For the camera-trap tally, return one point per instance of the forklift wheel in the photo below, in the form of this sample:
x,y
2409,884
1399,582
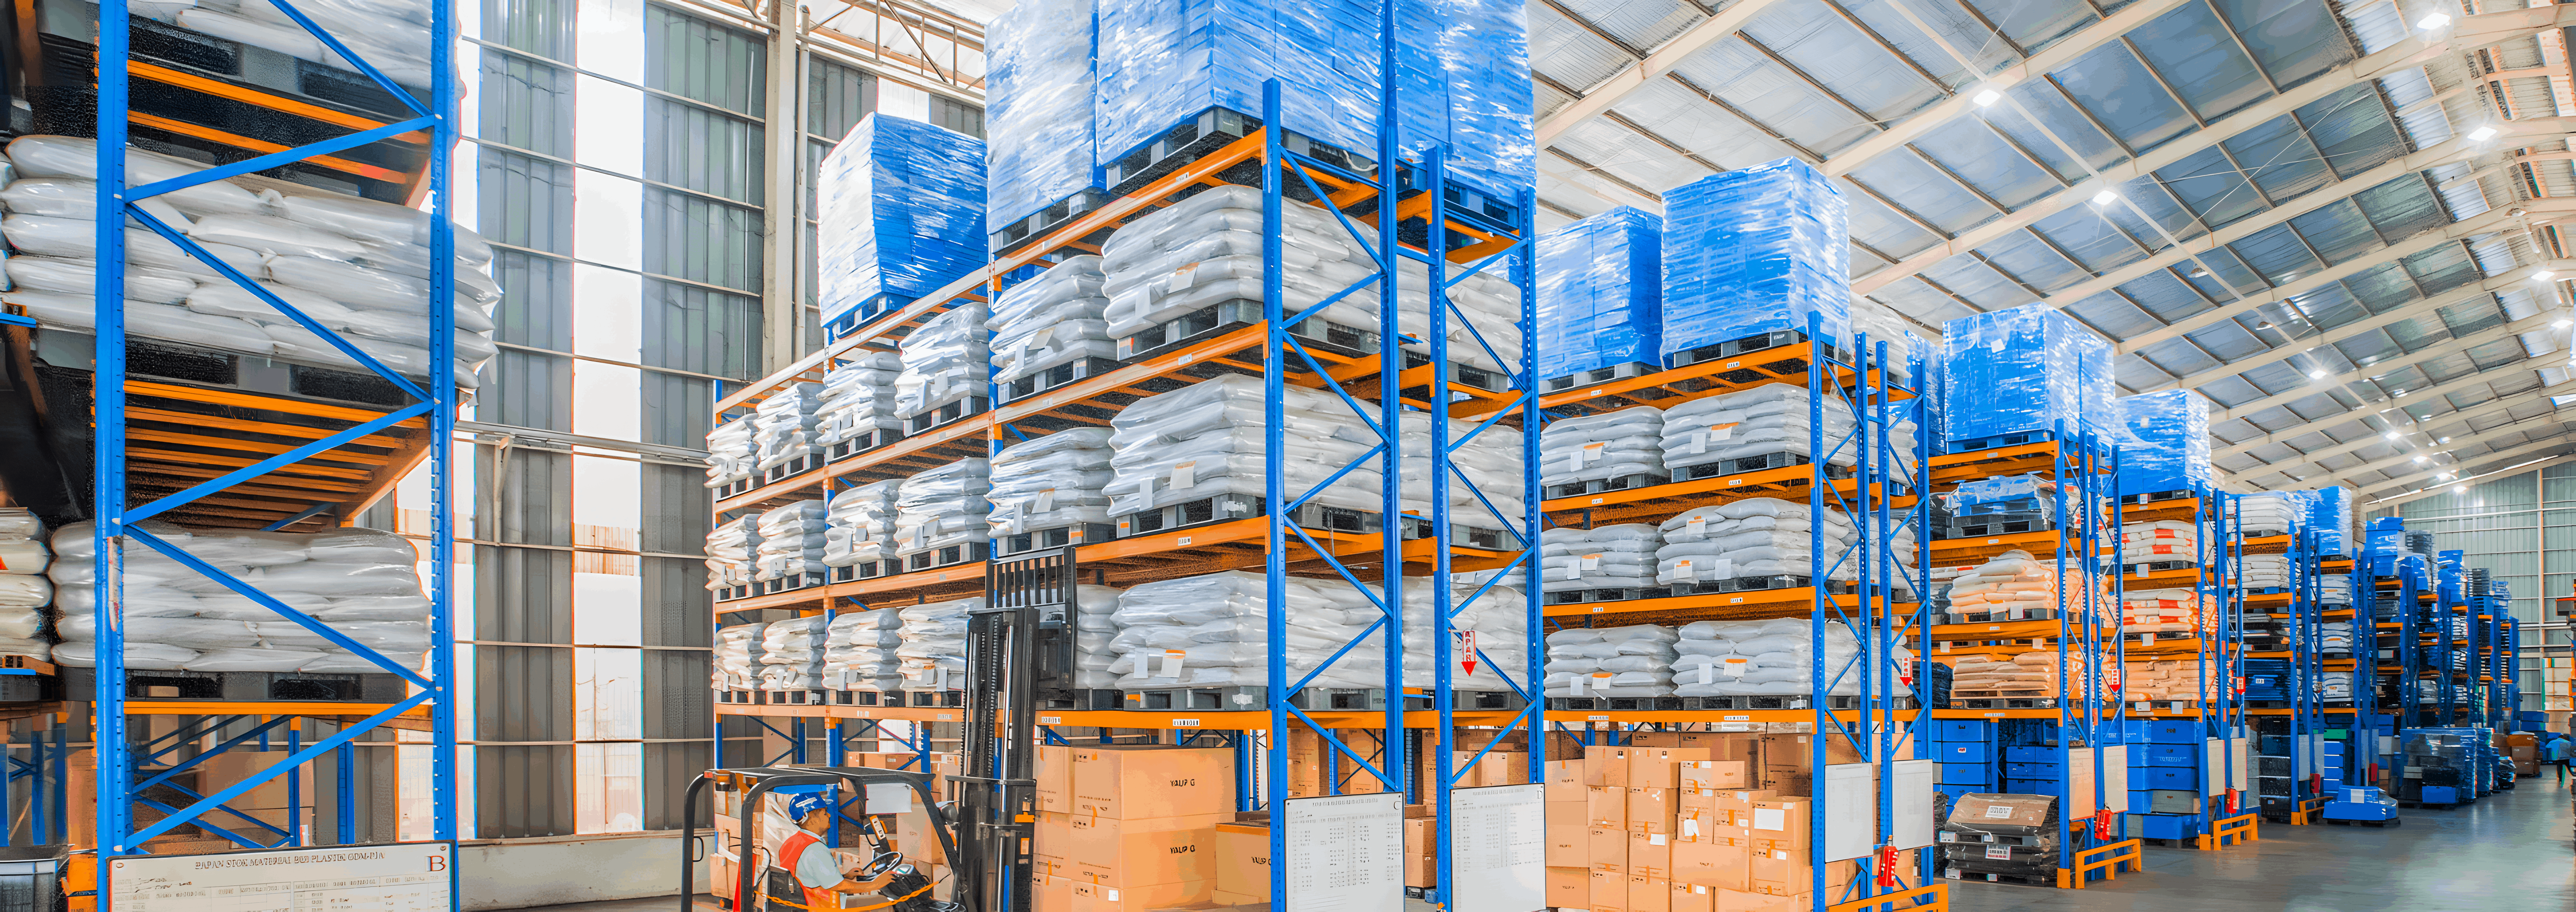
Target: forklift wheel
x,y
2394,821
2339,822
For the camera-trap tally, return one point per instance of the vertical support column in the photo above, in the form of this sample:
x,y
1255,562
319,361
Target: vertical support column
x,y
1443,660
782,213
115,764
1274,494
442,430
1390,402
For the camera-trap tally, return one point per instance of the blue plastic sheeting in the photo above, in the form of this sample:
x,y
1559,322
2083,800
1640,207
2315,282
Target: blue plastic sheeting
x,y
902,206
2025,369
1601,293
1755,251
1037,116
1463,70
2330,517
2165,446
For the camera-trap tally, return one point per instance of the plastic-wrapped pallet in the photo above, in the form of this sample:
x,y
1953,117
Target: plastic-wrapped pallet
x,y
2267,513
24,589
2330,517
2335,589
791,652
1881,323
355,266
1206,251
944,361
1616,444
1038,121
902,213
1205,440
1213,630
1753,251
1609,557
1601,293
731,457
1491,461
943,507
361,583
859,651
1051,482
2334,685
1052,320
736,665
732,548
393,37
1631,661
934,644
1495,627
2160,541
1770,419
1096,608
2026,369
859,524
858,398
2164,442
1776,657
783,425
2013,586
791,541
2263,571
2334,636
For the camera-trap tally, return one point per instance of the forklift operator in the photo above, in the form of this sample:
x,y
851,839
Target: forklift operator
x,y
816,871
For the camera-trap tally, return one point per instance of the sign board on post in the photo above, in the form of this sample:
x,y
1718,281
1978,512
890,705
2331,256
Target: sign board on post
x,y
391,877
1345,853
1498,861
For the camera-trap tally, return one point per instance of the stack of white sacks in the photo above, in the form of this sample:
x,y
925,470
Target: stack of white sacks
x,y
933,653
2012,587
361,583
1204,440
1051,320
1213,630
1635,661
1051,482
1489,637
2028,675
733,547
1490,461
355,266
782,426
737,660
1617,444
1096,623
791,541
24,590
1610,557
942,507
2166,612
2334,685
858,526
943,362
2263,571
1750,658
859,651
1762,536
2335,589
1484,330
791,654
2270,511
2162,541
2334,636
1206,250
391,35
1881,324
731,457
1767,419
858,398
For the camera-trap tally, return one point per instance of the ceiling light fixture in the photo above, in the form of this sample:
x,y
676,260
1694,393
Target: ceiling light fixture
x,y
2482,134
2200,273
2542,276
2459,489
2392,435
2445,440
2104,198
1987,98
2563,324
2263,324
2318,374
2419,460
2432,21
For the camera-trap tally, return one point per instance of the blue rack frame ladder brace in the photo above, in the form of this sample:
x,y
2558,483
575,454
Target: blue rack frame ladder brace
x,y
435,399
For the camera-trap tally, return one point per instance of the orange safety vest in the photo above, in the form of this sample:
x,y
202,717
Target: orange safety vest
x,y
816,900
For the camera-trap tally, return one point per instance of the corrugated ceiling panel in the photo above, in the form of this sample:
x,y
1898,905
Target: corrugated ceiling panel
x,y
2145,194
2276,254
1922,189
1924,302
1874,224
2036,24
2205,270
2112,314
1954,25
2179,356
1844,59
2084,235
2227,391
2367,349
2164,295
1967,278
2115,87
2353,129
2033,262
2190,49
2280,159
2442,268
2378,288
2276,376
2324,308
1983,159
1753,84
2211,187
1641,23
1688,119
2229,340
2472,315
2294,40
2375,25
1620,151
1569,54
2337,231
2062,120
2402,208
2406,89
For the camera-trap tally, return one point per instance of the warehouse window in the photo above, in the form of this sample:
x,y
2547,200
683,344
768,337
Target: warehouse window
x,y
963,117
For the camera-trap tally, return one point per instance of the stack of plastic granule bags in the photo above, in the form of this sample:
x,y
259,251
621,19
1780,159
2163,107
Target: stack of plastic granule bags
x,y
1608,557
1600,293
791,542
1881,323
2263,571
1632,661
24,589
1616,444
1096,626
730,454
1489,634
859,651
2334,636
858,399
2159,542
1213,630
732,547
391,35
2023,676
2024,370
1050,321
1490,461
2165,612
1051,482
783,425
1037,110
361,583
1756,536
736,665
2150,680
901,206
1769,419
1484,328
943,508
791,654
2334,685
2335,589
1752,251
2013,586
944,363
355,266
2272,512
934,644
1776,657
1205,440
1206,251
859,524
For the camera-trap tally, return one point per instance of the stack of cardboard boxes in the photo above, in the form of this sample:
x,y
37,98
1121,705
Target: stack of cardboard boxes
x,y
1128,828
1686,822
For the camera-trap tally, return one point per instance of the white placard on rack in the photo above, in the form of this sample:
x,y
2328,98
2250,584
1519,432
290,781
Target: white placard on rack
x,y
1498,861
1345,853
397,877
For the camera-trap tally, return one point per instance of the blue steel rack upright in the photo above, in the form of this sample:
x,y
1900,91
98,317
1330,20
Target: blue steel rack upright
x,y
435,401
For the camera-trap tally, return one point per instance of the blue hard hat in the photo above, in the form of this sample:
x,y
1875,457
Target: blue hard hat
x,y
805,803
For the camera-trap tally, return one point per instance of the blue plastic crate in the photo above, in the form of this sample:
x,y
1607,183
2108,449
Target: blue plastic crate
x,y
2162,778
1967,774
1963,752
2030,753
2167,755
2168,826
2033,770
2033,786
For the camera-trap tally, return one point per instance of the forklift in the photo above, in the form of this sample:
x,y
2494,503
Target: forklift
x,y
1019,647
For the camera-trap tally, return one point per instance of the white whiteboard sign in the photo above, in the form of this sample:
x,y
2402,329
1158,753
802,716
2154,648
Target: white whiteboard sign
x,y
1498,848
1345,853
399,877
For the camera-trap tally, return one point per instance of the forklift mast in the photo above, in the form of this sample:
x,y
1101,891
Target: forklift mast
x,y
1020,643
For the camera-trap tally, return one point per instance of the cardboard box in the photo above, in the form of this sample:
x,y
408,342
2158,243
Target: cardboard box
x,y
1691,897
1712,863
1054,836
1243,860
1606,847
1093,897
1649,894
1748,901
1650,854
914,837
1420,835
1566,827
1051,894
1137,853
1564,780
1568,888
1421,871
1712,775
1650,809
2000,813
1606,806
1149,781
1775,877
1055,778
1606,767
1735,812
1782,823
1609,891
1661,766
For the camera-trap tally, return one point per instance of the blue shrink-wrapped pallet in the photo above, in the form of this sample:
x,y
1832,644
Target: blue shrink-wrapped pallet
x,y
902,213
1463,71
2026,369
1754,251
2330,517
1037,114
1600,293
2165,442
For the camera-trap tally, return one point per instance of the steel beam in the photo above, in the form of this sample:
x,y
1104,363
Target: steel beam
x,y
2470,414
2366,372
2543,446
2418,308
1660,61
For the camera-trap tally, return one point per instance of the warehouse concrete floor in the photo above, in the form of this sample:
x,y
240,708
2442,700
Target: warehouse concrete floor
x,y
2509,851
